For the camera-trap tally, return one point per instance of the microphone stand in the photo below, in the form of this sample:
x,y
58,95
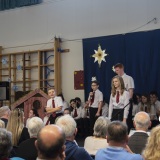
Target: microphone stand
x,y
130,102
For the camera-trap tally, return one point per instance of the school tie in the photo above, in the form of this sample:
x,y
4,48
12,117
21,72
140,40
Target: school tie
x,y
53,105
75,112
117,97
92,98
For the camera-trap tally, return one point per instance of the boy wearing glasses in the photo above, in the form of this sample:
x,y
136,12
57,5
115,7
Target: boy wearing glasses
x,y
95,104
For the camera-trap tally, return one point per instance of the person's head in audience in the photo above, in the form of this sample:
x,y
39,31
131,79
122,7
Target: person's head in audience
x,y
153,97
145,98
5,143
117,134
15,124
78,101
68,125
151,152
134,99
117,84
138,96
142,121
73,103
67,111
4,112
100,127
34,126
50,143
119,69
2,124
33,113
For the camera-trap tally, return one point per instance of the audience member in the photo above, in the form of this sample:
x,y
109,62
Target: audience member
x,y
6,145
54,105
117,138
95,102
77,115
65,103
67,111
119,99
138,96
151,152
155,108
27,149
145,104
85,120
79,102
50,143
73,151
136,108
4,114
32,113
16,127
138,140
98,140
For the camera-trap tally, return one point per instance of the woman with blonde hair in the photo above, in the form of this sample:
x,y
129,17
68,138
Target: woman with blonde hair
x,y
16,127
151,152
119,99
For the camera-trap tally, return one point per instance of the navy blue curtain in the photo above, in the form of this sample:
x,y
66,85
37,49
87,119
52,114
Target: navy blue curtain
x,y
139,52
10,4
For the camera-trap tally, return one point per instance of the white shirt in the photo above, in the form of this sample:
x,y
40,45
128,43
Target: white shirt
x,y
65,105
128,81
79,113
154,109
98,97
57,101
135,109
123,101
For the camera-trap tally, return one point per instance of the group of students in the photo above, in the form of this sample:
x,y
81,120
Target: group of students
x,y
120,105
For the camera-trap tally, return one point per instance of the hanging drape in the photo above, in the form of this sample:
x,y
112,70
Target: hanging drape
x,y
10,4
139,52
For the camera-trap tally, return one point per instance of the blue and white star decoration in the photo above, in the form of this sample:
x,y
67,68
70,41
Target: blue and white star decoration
x,y
15,88
19,67
99,55
4,61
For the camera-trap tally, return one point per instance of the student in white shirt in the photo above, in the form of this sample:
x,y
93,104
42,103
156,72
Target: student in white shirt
x,y
54,105
95,99
119,99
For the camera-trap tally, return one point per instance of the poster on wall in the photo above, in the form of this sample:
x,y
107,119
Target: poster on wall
x,y
79,80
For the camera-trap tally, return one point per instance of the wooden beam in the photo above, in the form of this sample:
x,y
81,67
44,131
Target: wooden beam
x,y
0,63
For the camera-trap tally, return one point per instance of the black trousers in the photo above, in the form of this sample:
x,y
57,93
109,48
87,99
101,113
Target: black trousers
x,y
93,118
